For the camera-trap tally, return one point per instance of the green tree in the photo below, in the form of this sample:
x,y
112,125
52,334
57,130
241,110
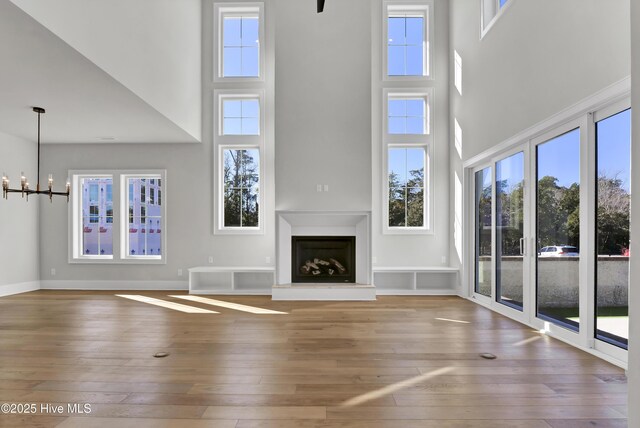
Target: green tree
x,y
241,180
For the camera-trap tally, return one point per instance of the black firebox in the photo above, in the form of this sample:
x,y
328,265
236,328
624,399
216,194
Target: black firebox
x,y
323,259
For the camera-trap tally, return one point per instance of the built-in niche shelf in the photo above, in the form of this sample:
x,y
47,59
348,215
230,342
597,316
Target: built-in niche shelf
x,y
416,280
231,280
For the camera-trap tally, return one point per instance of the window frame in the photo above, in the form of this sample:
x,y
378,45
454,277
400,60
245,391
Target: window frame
x,y
120,224
490,12
421,7
396,141
220,10
219,227
124,216
241,94
75,216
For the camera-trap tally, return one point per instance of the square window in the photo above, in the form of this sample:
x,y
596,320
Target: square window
x,y
406,185
240,45
240,116
407,115
240,188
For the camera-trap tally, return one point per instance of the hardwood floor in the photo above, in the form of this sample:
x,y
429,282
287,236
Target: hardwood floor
x,y
397,362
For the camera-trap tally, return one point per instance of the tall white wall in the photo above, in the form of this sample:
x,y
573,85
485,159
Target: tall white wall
x,y
323,103
153,47
634,292
539,58
19,247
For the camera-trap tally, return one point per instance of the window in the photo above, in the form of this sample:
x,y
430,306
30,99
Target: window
x,y
406,143
239,34
241,188
95,215
407,116
406,187
408,38
143,239
96,211
490,11
240,116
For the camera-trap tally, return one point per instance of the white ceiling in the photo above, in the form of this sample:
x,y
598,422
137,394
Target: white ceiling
x,y
84,104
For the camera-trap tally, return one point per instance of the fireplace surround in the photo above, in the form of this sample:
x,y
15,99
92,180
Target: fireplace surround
x,y
323,224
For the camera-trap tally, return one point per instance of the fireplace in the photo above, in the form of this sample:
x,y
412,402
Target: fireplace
x,y
328,259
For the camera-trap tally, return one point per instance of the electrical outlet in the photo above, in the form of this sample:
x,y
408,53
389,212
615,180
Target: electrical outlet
x,y
179,272
374,260
444,260
326,187
53,271
267,259
318,187
210,259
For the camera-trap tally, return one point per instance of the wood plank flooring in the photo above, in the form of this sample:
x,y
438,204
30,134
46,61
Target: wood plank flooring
x,y
397,362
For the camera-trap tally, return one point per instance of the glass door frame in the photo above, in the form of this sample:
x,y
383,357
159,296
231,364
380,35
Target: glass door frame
x,y
492,301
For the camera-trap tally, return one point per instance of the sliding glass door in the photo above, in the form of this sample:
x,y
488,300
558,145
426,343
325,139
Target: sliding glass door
x,y
483,232
510,239
558,229
613,197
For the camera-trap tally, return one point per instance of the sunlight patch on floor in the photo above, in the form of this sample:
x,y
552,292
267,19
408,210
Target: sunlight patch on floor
x,y
395,387
458,321
165,304
526,341
229,305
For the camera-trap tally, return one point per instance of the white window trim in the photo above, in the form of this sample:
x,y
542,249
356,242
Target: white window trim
x,y
219,11
424,141
423,7
124,217
219,227
486,23
427,213
241,140
120,224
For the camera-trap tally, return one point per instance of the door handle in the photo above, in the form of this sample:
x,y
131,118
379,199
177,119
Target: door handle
x,y
522,247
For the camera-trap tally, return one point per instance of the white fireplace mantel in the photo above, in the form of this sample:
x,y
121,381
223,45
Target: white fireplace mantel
x,y
323,223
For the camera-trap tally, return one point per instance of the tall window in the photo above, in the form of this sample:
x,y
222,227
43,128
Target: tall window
x,y
136,212
407,141
240,116
144,236
239,40
408,37
97,216
241,188
406,187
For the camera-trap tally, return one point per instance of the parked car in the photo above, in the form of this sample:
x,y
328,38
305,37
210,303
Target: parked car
x,y
559,251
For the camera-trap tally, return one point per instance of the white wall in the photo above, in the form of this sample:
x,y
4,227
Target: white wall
x,y
323,99
153,47
415,250
19,248
539,58
634,292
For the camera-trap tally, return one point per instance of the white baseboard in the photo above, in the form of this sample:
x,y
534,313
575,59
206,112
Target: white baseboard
x,y
432,292
114,285
21,287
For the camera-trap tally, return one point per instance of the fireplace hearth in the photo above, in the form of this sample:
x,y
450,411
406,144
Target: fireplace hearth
x,y
323,259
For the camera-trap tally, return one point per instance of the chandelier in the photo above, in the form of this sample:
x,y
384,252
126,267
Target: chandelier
x,y
24,184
